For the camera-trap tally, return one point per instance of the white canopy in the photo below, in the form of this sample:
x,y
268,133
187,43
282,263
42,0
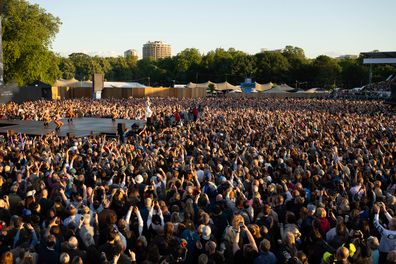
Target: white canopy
x,y
283,88
123,85
81,84
199,85
226,86
263,87
64,82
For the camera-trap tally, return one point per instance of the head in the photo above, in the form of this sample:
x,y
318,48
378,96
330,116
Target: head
x,y
391,258
210,247
7,258
265,245
73,242
51,241
321,213
392,224
311,209
203,259
342,254
372,242
64,258
289,239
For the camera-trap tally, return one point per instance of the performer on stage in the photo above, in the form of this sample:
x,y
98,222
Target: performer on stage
x,y
114,114
149,113
70,115
58,122
46,119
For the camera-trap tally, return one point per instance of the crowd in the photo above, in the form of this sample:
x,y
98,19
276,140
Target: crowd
x,y
221,181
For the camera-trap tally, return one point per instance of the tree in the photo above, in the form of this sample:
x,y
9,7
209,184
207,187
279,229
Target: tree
x,y
84,65
28,31
326,71
243,65
147,69
353,73
299,65
271,66
186,62
67,68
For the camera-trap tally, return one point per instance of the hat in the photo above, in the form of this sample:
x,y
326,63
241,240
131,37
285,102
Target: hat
x,y
222,179
26,212
206,232
30,193
311,208
139,179
72,171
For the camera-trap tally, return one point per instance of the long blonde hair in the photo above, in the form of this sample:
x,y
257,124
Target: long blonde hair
x,y
7,258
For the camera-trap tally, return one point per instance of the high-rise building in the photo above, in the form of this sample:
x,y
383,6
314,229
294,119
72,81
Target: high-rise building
x,y
131,52
156,50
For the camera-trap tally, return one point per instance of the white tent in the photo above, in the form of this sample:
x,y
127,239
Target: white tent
x,y
263,87
123,85
283,88
199,85
81,84
226,86
65,83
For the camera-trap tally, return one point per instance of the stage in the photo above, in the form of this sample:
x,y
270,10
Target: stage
x,y
80,127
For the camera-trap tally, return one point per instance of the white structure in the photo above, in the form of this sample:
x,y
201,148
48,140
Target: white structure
x,y
131,52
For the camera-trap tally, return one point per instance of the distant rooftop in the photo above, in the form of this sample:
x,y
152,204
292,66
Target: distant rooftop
x,y
157,42
379,54
380,57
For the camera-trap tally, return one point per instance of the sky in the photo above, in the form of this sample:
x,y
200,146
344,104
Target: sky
x,y
336,27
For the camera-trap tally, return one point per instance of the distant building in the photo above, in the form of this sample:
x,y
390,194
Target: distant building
x,y
131,52
156,50
347,57
267,50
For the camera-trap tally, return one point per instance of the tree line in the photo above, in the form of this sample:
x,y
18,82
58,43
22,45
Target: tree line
x,y
29,31
289,65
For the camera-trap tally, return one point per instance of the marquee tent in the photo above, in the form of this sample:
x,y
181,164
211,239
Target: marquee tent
x,y
226,86
123,85
199,85
263,87
283,88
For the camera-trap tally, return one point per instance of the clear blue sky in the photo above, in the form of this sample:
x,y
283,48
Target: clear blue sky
x,y
319,27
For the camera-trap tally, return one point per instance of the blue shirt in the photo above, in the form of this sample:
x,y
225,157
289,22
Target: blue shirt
x,y
266,257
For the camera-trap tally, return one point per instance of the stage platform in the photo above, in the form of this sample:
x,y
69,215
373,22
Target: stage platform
x,y
80,127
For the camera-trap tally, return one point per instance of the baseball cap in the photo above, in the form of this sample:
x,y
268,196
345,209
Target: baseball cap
x,y
311,208
30,193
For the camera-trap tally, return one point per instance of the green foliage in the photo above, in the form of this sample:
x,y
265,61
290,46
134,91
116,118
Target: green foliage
x,y
287,66
28,31
327,71
271,66
67,68
353,73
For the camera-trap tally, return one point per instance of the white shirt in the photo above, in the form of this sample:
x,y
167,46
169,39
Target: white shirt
x,y
388,237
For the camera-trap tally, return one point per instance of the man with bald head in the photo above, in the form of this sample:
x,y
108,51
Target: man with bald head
x,y
342,255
